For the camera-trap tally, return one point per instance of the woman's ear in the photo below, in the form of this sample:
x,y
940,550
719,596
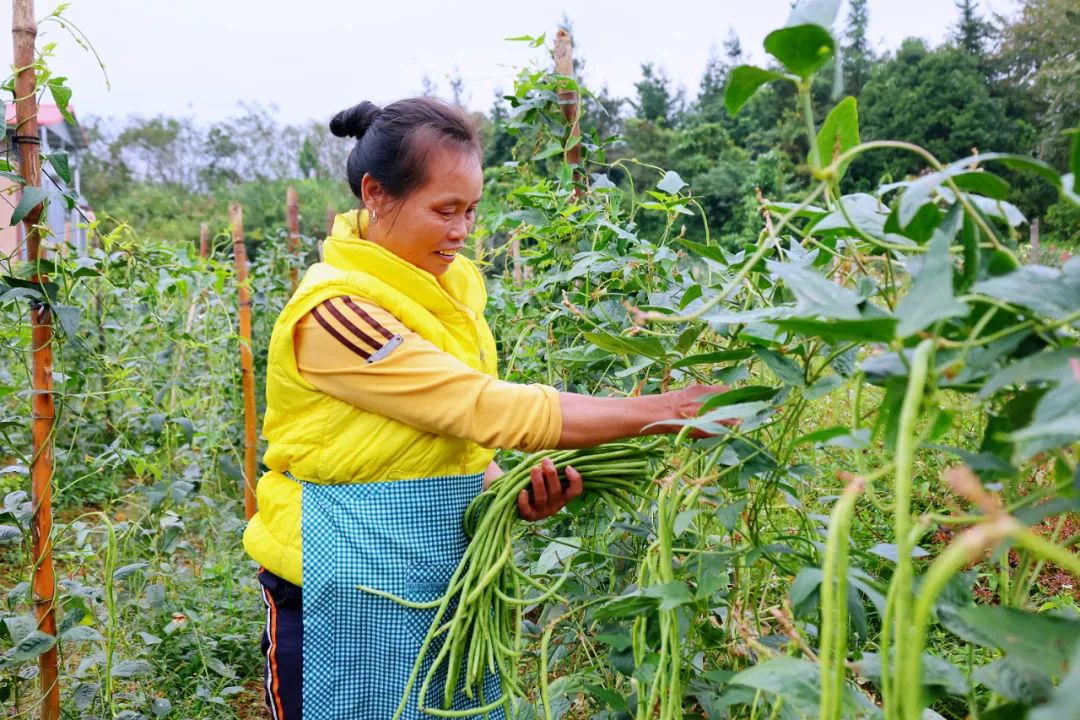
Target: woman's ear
x,y
372,194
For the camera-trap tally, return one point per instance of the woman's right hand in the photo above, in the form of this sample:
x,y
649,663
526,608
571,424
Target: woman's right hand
x,y
686,403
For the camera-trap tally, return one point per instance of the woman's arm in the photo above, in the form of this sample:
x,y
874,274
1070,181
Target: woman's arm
x,y
589,421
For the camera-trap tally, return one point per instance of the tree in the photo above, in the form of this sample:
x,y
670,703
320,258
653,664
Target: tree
x,y
710,99
972,33
656,101
499,145
858,56
1039,59
457,88
954,110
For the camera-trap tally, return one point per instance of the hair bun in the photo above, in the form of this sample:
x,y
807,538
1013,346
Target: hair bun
x,y
355,121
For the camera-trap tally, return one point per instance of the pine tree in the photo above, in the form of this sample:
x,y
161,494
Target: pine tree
x,y
656,101
858,57
972,33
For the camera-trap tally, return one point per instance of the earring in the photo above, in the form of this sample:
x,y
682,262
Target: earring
x,y
374,217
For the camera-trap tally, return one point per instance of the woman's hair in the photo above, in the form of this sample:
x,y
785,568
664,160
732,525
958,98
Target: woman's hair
x,y
392,143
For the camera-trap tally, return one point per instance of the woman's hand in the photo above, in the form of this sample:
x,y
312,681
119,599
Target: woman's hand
x,y
686,403
548,496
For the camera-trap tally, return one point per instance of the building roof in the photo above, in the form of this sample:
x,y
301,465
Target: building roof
x,y
49,115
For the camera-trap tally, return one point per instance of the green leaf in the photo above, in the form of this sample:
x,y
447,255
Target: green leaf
x,y
935,672
1058,292
983,183
60,163
84,695
32,645
626,345
13,177
61,95
671,183
880,329
31,198
628,605
785,368
713,358
839,436
931,297
671,595
797,681
751,393
1055,366
802,49
1052,426
1042,642
127,668
19,626
822,387
82,633
684,519
123,572
814,12
1065,702
550,150
816,295
1015,681
839,133
743,82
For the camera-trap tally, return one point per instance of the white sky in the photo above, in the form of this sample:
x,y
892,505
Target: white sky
x,y
314,57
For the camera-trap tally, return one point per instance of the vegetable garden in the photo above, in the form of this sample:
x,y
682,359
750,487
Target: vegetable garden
x,y
869,540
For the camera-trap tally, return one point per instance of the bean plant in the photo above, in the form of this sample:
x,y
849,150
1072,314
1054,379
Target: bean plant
x,y
869,540
906,388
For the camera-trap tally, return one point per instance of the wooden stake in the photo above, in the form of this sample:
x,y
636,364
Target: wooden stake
x,y
247,367
292,215
42,407
568,100
515,255
1035,248
331,213
204,240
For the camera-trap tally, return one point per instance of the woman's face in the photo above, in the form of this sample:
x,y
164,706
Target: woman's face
x,y
430,226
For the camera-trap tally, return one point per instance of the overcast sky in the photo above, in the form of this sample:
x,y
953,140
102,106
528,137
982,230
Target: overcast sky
x,y
311,58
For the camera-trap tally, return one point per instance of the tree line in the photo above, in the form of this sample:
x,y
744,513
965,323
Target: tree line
x,y
1009,84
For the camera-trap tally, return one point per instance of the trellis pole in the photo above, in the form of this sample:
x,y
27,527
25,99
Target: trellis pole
x,y
42,407
247,367
569,101
292,215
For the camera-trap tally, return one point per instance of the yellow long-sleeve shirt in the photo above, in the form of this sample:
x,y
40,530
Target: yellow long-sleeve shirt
x,y
356,351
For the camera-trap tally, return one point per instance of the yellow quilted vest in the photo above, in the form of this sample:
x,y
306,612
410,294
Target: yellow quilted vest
x,y
318,438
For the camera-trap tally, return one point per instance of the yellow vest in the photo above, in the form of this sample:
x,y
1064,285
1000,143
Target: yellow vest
x,y
320,439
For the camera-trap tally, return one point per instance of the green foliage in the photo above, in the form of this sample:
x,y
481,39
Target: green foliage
x,y
953,99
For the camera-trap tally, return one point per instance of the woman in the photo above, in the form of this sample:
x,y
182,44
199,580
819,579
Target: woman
x,y
383,407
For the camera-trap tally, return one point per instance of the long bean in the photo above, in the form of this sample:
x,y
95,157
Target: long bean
x,y
482,634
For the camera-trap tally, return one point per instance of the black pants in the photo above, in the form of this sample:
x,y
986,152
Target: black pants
x,y
283,646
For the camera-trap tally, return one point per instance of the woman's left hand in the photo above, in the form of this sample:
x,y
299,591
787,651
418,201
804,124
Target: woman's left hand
x,y
548,495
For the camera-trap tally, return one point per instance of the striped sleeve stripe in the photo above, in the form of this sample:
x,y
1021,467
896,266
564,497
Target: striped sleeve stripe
x,y
348,324
367,318
337,335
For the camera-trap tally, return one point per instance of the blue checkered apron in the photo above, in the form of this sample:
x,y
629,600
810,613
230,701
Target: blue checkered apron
x,y
403,537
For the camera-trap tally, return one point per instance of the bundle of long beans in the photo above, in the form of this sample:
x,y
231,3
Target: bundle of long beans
x,y
479,617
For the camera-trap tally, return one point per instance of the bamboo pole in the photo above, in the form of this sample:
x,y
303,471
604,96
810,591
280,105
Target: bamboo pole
x,y
568,101
292,216
236,220
331,213
1035,247
43,411
204,240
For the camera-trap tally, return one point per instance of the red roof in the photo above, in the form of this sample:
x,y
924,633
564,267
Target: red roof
x,y
48,114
